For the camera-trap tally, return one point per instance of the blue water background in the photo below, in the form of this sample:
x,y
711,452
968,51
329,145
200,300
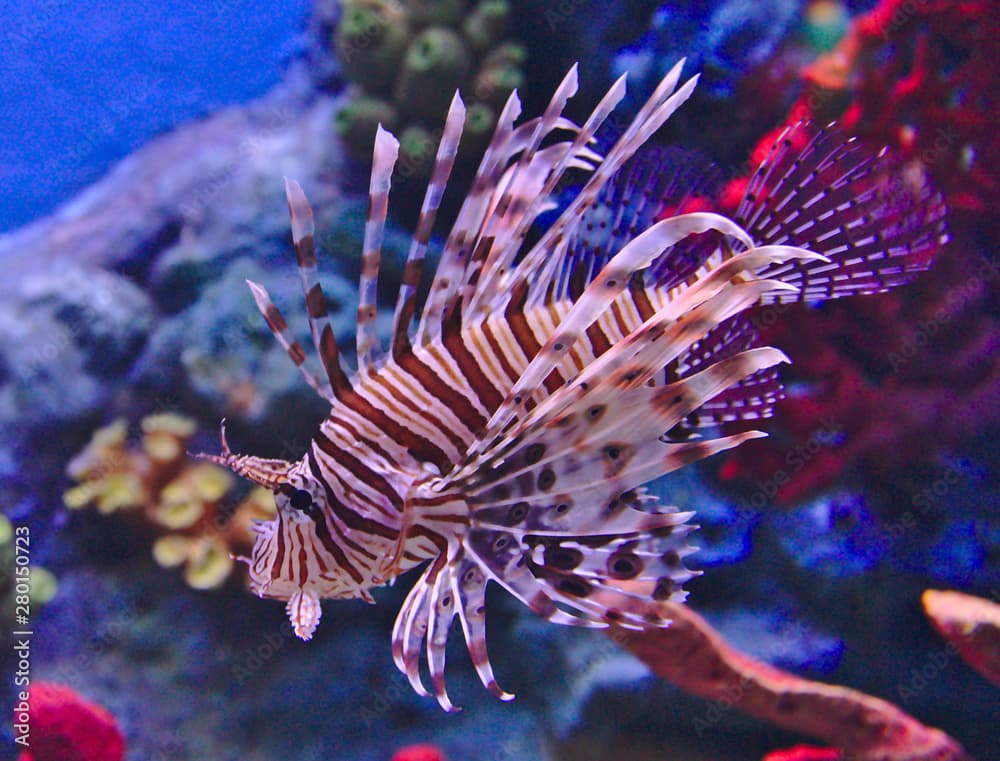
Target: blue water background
x,y
84,84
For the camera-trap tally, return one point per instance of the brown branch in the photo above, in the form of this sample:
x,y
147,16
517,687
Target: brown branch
x,y
971,624
692,655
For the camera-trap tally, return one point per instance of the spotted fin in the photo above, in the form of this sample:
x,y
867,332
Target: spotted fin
x,y
450,587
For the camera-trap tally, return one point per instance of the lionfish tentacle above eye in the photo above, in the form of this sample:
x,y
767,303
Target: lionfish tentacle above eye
x,y
507,440
263,472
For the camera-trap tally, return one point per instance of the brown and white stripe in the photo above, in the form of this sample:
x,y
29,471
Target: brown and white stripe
x,y
508,441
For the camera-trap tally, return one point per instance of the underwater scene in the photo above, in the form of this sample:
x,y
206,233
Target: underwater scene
x,y
664,357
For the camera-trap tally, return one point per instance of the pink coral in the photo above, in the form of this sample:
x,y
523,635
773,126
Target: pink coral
x,y
692,655
65,727
971,625
422,752
804,753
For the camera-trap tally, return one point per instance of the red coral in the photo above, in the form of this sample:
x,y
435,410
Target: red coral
x,y
804,753
425,752
65,727
909,374
919,77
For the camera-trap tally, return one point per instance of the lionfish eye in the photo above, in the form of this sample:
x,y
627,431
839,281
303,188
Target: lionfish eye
x,y
300,499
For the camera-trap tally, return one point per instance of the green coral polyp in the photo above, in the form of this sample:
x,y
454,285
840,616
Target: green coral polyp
x,y
406,58
371,41
486,25
493,85
510,54
440,12
356,122
436,57
479,122
417,148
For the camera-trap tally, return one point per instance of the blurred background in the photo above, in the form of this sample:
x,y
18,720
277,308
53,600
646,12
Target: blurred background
x,y
142,150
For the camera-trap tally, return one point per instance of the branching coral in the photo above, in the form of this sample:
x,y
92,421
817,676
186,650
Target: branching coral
x,y
921,77
692,655
915,373
182,499
406,58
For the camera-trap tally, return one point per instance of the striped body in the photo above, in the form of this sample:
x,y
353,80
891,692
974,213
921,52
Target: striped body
x,y
506,435
439,398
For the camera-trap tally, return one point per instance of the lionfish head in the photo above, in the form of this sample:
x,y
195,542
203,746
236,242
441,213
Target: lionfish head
x,y
284,563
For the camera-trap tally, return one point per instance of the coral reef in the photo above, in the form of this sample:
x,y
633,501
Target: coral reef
x,y
182,500
692,655
834,535
921,78
970,624
725,40
406,58
65,727
67,335
912,375
218,352
87,289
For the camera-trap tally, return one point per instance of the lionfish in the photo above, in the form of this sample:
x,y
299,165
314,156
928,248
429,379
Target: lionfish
x,y
507,433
